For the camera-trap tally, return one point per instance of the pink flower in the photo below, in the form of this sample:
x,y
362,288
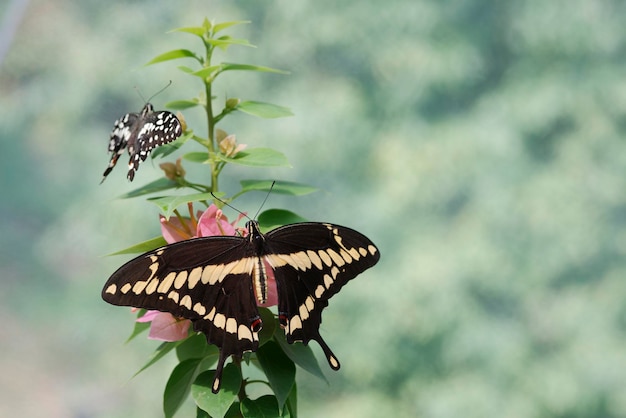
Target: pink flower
x,y
211,222
165,327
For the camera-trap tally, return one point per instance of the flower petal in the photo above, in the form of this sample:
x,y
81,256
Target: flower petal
x,y
166,327
173,230
213,222
148,316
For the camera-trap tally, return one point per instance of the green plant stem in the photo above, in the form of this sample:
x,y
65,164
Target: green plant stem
x,y
210,119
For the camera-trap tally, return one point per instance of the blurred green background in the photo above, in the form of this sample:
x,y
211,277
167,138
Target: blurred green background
x,y
479,143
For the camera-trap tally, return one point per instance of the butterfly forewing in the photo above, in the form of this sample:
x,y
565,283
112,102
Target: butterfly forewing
x,y
140,133
205,280
211,281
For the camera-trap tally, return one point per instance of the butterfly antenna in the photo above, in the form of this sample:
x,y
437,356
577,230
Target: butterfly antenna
x,y
155,94
265,200
240,212
229,205
139,93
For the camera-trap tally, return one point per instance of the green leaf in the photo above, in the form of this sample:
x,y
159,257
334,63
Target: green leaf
x,y
158,354
139,327
153,187
279,369
263,110
269,325
167,204
194,30
178,385
264,407
280,187
185,69
197,156
301,355
234,411
142,247
217,404
231,66
223,25
258,157
273,218
206,72
182,104
224,42
202,414
172,55
291,409
196,346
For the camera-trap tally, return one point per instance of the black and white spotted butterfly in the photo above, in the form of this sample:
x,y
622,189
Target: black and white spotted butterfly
x,y
217,281
140,133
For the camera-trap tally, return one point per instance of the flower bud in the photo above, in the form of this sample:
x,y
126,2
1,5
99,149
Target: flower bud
x,y
229,147
173,171
232,103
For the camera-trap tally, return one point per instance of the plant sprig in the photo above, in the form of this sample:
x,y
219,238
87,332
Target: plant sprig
x,y
219,149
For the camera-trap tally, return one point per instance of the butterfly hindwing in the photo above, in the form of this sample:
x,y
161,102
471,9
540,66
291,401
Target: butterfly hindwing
x,y
312,261
140,133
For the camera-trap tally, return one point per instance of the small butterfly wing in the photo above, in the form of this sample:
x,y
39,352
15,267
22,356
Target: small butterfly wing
x,y
206,280
312,262
118,140
155,129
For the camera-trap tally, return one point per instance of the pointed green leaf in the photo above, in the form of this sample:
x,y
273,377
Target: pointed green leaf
x,y
258,157
167,204
202,414
158,354
217,404
185,69
182,104
139,327
206,72
178,385
172,55
152,187
263,110
279,369
194,30
269,325
264,407
142,247
230,66
225,41
291,407
273,218
196,346
223,25
301,355
280,187
197,157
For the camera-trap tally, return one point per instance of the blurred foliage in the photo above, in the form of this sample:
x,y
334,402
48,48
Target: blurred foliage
x,y
479,144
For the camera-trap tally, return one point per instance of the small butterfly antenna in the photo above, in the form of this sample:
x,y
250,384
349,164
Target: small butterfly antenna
x,y
155,94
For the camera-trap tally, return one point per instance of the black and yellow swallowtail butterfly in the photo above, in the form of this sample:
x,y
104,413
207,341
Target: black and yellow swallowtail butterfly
x,y
217,281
